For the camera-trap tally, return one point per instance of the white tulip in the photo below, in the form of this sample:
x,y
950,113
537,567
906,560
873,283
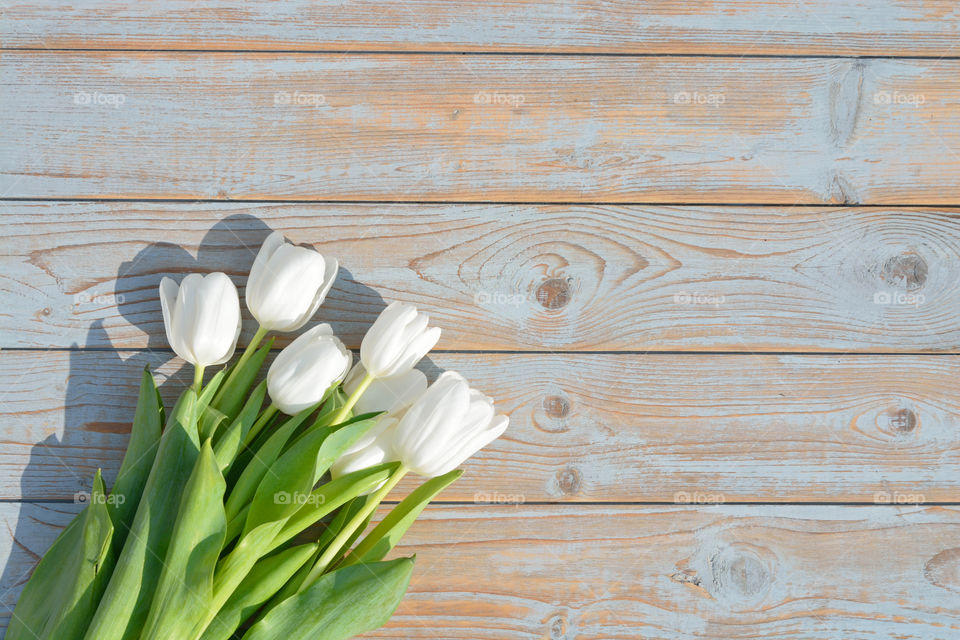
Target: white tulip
x,y
287,284
306,369
201,316
445,426
397,340
375,447
392,394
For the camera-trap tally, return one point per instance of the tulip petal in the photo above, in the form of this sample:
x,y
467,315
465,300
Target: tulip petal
x,y
168,304
256,280
215,310
418,348
393,393
470,444
291,279
331,267
425,429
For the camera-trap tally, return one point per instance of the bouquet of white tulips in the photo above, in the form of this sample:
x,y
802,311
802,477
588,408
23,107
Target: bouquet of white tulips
x,y
234,516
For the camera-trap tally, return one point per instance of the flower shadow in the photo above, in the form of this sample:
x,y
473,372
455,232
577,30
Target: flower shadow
x,y
101,387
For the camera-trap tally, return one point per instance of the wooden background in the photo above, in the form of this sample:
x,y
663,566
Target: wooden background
x,y
706,255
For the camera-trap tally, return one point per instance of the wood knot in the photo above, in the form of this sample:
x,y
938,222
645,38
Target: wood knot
x,y
556,406
943,570
907,270
554,293
742,574
46,311
902,420
568,481
557,627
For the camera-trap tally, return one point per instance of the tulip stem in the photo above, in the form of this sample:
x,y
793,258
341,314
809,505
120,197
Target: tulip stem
x,y
352,400
335,546
254,343
197,378
264,419
251,348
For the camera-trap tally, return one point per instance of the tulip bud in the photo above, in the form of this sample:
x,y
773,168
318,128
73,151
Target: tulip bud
x,y
306,369
445,426
201,317
392,394
397,340
287,284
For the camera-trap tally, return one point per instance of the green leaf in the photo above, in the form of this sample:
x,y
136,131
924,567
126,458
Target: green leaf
x,y
361,502
339,605
126,602
260,463
265,578
185,590
335,398
210,419
388,531
62,594
299,469
324,499
227,444
330,531
141,451
230,397
343,437
205,399
232,569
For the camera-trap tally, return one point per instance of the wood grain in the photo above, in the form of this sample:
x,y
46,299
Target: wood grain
x,y
845,27
510,277
625,572
601,427
479,128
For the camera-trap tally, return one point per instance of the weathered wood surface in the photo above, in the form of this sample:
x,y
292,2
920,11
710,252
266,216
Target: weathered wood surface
x,y
510,277
629,572
611,427
752,27
341,103
190,125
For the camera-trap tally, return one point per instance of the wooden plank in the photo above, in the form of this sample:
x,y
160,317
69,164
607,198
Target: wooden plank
x,y
479,128
601,427
845,27
510,277
651,572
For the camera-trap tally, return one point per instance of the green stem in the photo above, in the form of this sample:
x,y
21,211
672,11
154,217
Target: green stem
x,y
335,546
264,419
352,400
249,351
197,378
252,347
